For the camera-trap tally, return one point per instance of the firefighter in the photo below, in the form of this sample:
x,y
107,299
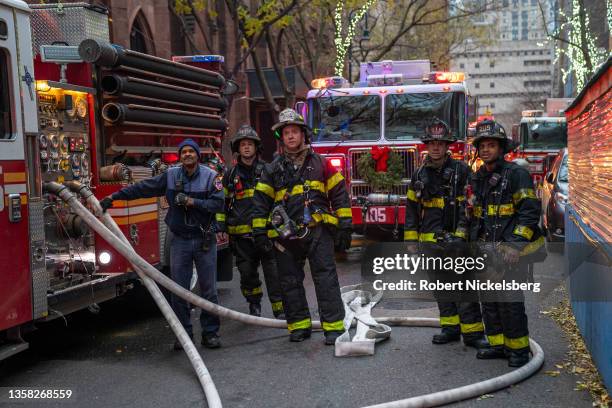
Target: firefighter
x,y
435,212
307,203
239,184
195,194
506,217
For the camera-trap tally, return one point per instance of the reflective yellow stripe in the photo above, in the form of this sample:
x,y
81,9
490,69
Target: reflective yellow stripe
x,y
460,198
239,229
297,190
460,233
259,222
225,191
254,291
449,320
334,180
280,194
427,237
504,210
344,212
496,339
247,193
326,218
302,324
517,343
523,231
411,195
277,306
335,326
533,246
411,235
315,185
272,233
266,189
436,202
220,217
523,193
472,327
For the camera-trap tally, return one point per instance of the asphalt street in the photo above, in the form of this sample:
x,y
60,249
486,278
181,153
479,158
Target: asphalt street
x,y
123,357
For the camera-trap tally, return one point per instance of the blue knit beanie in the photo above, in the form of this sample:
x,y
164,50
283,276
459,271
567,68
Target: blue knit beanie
x,y
190,143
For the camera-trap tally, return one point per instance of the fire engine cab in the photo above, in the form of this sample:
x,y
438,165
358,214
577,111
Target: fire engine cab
x,y
541,136
74,108
390,107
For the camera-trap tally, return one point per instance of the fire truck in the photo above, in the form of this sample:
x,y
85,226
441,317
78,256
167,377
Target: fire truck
x,y
390,106
74,108
541,135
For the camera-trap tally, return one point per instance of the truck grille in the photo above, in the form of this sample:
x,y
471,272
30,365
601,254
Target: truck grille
x,y
409,161
359,188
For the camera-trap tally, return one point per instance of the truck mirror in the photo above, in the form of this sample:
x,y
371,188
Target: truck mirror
x,y
301,108
231,87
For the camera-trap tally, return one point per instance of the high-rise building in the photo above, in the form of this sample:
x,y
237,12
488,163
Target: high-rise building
x,y
515,72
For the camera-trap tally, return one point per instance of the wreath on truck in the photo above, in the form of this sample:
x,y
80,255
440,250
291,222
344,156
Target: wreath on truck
x,y
381,167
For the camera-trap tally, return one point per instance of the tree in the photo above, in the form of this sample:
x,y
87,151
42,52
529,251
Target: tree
x,y
575,41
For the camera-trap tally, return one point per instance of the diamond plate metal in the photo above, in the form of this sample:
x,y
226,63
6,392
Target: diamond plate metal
x,y
162,227
40,279
69,22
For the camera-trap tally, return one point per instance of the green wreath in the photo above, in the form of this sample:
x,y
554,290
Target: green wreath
x,y
381,181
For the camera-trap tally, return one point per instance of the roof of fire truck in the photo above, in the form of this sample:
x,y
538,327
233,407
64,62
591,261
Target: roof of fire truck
x,y
533,116
18,4
393,77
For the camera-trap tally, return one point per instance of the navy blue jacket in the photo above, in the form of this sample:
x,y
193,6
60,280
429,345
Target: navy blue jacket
x,y
204,186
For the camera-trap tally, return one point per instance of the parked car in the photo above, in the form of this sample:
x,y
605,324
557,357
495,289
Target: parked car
x,y
554,198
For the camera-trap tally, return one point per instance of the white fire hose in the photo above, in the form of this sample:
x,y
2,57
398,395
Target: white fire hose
x,y
371,329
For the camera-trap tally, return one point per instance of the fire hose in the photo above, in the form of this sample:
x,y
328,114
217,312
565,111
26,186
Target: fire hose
x,y
140,265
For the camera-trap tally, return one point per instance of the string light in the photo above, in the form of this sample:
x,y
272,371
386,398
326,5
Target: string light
x,y
343,43
574,53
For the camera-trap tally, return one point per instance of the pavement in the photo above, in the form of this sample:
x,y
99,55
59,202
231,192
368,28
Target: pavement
x,y
122,357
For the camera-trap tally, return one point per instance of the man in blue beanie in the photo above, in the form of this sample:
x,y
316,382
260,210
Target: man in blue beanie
x,y
194,193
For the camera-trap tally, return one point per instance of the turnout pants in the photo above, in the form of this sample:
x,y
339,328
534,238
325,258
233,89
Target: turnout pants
x,y
505,319
247,262
184,252
318,248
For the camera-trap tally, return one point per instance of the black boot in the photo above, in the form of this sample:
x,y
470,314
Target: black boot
x,y
255,309
299,335
478,341
518,358
211,340
331,336
280,315
446,336
489,353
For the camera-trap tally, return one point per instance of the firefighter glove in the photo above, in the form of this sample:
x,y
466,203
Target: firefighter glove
x,y
106,203
343,239
181,199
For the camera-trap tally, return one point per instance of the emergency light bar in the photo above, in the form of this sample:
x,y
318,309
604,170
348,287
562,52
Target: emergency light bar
x,y
60,54
199,58
329,82
532,113
444,77
385,79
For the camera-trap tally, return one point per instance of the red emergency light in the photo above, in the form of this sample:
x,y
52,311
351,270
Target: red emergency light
x,y
446,77
170,157
337,163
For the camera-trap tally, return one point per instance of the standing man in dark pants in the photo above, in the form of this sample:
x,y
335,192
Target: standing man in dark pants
x,y
195,194
307,203
435,212
239,184
506,217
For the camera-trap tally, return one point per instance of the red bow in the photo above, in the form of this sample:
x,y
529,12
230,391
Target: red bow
x,y
380,156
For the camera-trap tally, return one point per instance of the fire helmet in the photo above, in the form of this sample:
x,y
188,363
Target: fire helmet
x,y
437,130
244,132
489,129
289,117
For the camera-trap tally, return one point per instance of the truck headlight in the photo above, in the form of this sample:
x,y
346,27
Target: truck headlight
x,y
104,257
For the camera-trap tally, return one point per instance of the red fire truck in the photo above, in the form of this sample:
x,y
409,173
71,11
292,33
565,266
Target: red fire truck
x,y
390,106
541,136
75,108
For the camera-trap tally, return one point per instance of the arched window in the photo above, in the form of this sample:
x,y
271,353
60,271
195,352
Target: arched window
x,y
140,35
